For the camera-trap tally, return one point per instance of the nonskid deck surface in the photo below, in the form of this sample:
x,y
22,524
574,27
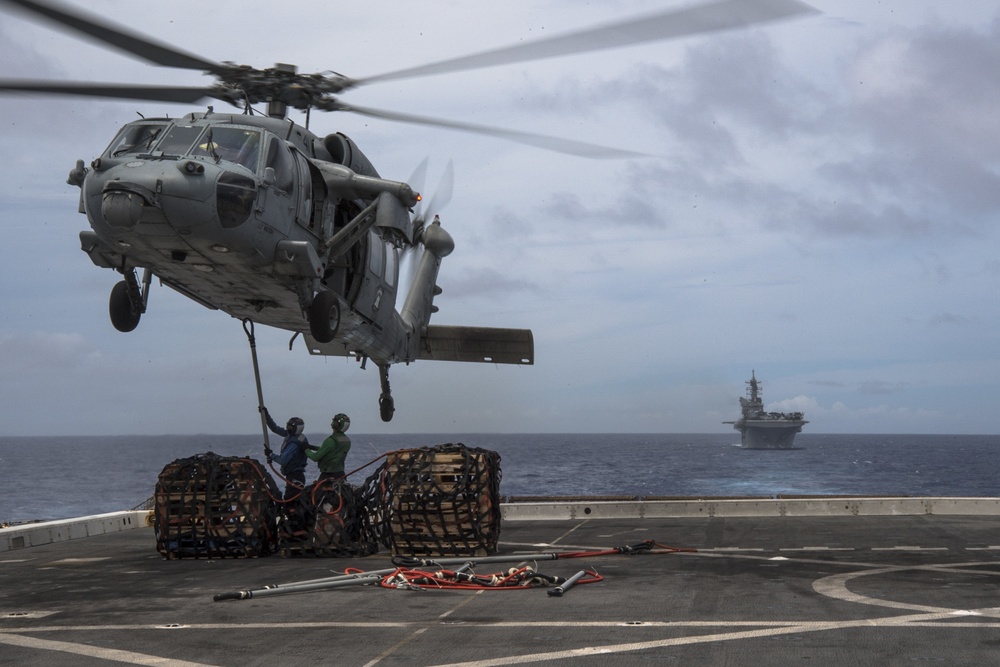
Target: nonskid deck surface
x,y
758,591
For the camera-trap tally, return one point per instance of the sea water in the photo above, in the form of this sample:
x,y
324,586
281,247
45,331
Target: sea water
x,y
63,477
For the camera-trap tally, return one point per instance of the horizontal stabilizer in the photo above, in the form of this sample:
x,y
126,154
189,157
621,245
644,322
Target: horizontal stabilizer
x,y
332,349
480,344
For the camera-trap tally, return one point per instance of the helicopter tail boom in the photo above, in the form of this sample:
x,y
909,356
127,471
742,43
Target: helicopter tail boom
x,y
455,343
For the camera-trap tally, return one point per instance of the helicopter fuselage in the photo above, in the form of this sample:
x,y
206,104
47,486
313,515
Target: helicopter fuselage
x,y
262,219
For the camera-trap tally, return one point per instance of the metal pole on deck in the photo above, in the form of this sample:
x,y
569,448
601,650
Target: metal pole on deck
x,y
248,330
311,585
557,591
418,561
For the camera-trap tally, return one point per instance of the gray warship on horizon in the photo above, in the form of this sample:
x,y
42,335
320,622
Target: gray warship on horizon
x,y
765,430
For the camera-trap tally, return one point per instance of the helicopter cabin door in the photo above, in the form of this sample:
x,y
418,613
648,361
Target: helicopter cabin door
x,y
377,296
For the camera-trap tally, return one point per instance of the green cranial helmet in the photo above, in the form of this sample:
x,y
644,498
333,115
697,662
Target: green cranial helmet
x,y
341,422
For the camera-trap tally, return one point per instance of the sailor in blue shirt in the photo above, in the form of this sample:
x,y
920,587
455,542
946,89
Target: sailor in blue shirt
x,y
292,457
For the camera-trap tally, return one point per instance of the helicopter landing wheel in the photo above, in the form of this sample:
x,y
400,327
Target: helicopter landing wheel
x,y
124,316
386,406
324,317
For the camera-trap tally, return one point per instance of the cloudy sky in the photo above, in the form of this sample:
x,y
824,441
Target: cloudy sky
x,y
820,205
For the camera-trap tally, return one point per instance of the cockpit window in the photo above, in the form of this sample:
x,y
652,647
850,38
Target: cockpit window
x,y
233,144
135,139
179,139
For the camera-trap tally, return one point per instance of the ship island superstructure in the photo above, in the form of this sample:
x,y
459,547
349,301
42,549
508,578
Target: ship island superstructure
x,y
765,430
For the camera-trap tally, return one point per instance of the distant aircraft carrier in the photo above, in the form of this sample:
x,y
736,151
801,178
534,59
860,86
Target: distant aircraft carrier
x,y
765,430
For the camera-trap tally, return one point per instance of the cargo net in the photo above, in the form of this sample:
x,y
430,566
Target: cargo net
x,y
328,518
210,506
431,501
440,501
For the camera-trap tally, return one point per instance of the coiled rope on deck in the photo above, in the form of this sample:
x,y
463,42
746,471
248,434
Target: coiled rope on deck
x,y
513,579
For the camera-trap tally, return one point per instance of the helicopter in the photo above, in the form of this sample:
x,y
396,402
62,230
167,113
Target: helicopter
x,y
261,218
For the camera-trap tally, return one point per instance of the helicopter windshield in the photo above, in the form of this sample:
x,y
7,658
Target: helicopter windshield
x,y
179,139
234,144
136,138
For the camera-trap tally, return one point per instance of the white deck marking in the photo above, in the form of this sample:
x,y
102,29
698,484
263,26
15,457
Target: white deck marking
x,y
395,647
794,628
835,586
94,651
78,561
26,614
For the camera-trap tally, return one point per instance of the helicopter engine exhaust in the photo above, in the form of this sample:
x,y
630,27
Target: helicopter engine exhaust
x,y
351,185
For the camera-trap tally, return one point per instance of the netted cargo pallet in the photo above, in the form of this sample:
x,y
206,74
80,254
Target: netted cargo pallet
x,y
210,506
437,501
327,519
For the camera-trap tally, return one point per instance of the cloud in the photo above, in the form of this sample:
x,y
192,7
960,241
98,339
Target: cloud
x,y
881,387
799,403
628,211
27,355
488,282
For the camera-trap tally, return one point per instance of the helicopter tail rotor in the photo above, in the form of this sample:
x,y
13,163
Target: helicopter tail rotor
x,y
427,207
438,201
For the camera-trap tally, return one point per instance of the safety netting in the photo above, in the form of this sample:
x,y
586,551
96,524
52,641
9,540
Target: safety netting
x,y
211,506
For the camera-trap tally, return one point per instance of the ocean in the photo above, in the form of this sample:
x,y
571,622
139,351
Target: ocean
x,y
61,477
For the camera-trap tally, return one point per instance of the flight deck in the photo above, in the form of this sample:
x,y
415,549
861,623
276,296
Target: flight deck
x,y
801,581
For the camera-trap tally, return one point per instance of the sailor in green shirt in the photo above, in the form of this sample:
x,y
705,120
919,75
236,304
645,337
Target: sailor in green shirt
x,y
330,456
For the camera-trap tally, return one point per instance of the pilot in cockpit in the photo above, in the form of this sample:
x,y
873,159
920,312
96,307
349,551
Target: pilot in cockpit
x,y
240,147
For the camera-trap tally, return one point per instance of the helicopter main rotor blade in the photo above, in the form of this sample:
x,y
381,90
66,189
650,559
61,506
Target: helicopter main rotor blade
x,y
145,48
671,24
556,144
180,94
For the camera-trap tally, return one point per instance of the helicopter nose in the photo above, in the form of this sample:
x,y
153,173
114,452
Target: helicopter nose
x,y
144,191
